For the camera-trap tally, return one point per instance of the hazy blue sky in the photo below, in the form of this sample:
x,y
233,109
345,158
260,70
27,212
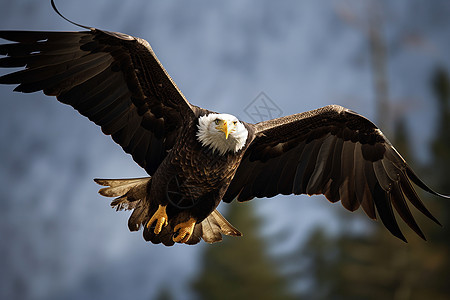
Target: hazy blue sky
x,y
60,239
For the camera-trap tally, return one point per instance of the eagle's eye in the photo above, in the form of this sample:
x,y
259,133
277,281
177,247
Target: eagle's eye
x,y
217,121
234,122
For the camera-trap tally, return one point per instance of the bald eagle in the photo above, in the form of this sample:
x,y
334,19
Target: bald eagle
x,y
195,157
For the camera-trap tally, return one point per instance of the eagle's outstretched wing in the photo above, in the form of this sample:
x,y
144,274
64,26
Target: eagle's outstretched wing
x,y
112,78
335,152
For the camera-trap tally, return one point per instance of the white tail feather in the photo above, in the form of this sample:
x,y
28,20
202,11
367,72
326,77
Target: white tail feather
x,y
128,191
212,228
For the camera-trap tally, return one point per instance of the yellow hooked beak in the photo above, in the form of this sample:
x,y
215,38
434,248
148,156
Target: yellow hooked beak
x,y
225,128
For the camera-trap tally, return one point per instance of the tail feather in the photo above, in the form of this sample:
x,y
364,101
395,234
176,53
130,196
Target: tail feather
x,y
119,187
139,216
224,225
129,193
212,228
122,203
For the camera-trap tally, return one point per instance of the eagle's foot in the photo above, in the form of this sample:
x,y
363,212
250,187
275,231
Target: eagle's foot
x,y
160,216
183,231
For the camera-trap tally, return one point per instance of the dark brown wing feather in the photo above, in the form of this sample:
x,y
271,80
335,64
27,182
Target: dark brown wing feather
x,y
335,152
113,79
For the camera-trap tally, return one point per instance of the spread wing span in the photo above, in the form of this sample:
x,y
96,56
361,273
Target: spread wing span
x,y
112,78
335,152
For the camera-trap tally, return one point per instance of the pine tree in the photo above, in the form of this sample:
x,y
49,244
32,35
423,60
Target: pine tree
x,y
441,144
164,294
239,268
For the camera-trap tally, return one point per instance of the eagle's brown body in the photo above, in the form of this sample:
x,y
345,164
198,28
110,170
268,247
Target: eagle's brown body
x,y
190,181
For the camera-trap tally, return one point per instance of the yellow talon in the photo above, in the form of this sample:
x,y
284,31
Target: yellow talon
x,y
160,216
185,230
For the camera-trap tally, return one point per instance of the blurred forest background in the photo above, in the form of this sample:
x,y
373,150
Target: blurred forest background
x,y
388,60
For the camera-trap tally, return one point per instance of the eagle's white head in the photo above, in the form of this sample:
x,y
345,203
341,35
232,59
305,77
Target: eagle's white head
x,y
221,133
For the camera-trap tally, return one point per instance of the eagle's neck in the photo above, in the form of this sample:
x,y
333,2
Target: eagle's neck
x,y
208,136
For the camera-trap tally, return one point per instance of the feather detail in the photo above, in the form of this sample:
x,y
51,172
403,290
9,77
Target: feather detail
x,y
130,194
212,228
